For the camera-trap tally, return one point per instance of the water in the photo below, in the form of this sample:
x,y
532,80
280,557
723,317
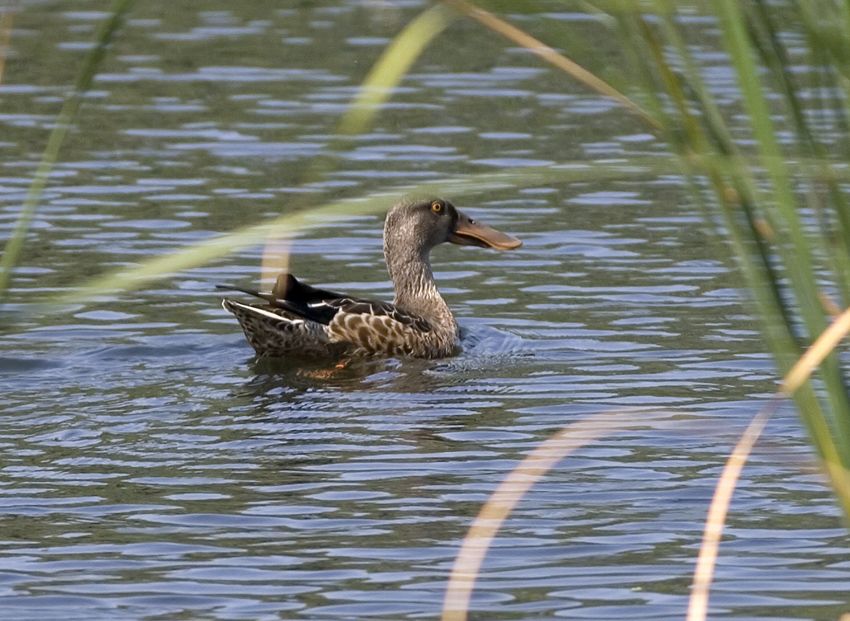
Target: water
x,y
151,469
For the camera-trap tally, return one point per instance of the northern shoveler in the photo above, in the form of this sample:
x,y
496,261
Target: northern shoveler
x,y
299,320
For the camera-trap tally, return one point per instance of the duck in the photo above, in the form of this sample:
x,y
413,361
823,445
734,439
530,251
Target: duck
x,y
295,319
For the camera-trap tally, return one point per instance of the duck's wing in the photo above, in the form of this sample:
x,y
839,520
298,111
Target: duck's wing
x,y
289,288
322,306
277,332
369,311
294,307
371,326
279,326
377,327
293,296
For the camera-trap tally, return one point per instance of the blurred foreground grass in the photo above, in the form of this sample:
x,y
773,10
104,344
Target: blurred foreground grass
x,y
773,179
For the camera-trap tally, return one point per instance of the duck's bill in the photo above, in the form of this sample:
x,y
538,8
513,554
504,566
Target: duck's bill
x,y
469,232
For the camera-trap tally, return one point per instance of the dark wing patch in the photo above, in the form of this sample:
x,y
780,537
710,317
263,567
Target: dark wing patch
x,y
293,290
257,294
319,305
292,296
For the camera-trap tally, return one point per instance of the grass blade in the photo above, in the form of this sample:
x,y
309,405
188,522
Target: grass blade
x,y
203,252
51,152
820,349
7,18
522,38
794,247
515,485
394,63
719,508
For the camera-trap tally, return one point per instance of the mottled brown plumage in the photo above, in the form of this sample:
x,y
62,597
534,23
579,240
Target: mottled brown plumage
x,y
299,320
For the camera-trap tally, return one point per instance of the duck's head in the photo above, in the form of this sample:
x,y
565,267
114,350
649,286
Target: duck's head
x,y
423,224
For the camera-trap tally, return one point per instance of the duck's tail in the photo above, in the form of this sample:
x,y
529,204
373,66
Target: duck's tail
x,y
278,332
287,288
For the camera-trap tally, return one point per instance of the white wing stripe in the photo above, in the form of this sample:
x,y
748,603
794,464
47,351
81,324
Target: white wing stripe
x,y
265,313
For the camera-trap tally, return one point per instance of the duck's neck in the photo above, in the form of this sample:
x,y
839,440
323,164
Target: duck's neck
x,y
415,289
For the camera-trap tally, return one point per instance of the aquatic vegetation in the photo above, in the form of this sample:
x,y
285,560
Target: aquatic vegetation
x,y
517,483
788,224
782,210
15,245
7,18
547,455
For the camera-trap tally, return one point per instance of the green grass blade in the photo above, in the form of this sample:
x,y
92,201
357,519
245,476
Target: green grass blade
x,y
7,17
793,244
394,63
69,110
568,66
457,187
776,58
734,185
385,74
730,176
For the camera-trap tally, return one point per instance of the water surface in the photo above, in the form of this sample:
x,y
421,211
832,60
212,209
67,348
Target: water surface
x,y
153,470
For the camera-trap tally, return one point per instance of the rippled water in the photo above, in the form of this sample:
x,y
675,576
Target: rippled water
x,y
151,469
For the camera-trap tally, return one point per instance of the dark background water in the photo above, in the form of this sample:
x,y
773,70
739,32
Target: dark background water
x,y
151,469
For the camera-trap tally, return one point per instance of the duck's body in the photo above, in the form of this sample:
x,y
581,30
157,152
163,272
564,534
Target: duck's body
x,y
301,320
304,321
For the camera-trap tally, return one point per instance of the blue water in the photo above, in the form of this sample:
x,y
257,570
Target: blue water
x,y
151,469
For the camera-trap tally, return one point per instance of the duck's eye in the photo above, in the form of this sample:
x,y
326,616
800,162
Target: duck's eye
x,y
437,207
